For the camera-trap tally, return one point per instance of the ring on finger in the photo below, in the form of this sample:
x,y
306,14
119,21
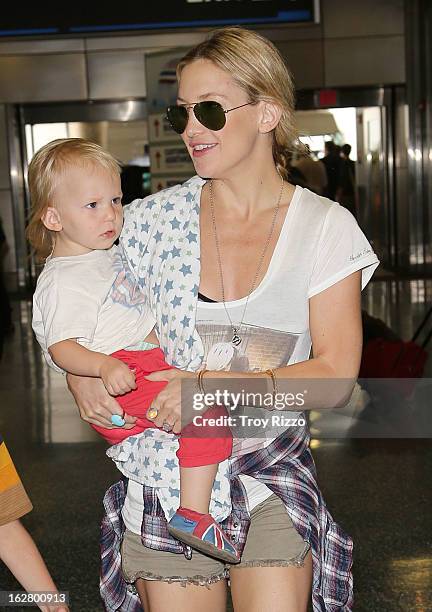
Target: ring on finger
x,y
167,427
152,413
118,419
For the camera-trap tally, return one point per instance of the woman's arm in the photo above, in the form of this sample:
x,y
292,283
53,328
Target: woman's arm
x,y
335,326
76,359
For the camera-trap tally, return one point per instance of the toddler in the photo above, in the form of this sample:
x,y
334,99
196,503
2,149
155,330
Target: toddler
x,y
86,312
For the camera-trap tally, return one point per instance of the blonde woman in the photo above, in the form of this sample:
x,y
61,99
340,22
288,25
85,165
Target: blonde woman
x,y
244,273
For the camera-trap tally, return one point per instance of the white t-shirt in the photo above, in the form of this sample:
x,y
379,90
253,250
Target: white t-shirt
x,y
320,244
92,298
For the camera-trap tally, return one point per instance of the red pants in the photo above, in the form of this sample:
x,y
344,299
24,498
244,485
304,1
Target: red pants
x,y
193,451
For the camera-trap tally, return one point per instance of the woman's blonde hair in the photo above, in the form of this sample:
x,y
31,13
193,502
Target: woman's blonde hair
x,y
44,173
258,68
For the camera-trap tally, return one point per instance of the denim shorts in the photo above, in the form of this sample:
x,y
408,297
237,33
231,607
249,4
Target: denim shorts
x,y
271,541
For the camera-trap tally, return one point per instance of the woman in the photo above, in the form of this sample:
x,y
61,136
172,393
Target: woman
x,y
243,272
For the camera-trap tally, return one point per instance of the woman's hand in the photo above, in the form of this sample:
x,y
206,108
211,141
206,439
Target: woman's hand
x,y
168,403
95,404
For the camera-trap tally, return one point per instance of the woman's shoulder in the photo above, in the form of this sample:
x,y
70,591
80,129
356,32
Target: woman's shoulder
x,y
176,195
318,210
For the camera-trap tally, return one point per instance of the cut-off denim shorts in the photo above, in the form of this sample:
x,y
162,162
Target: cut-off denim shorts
x,y
271,541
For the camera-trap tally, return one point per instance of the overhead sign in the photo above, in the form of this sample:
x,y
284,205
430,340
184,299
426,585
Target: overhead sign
x,y
162,182
159,130
170,158
71,18
170,162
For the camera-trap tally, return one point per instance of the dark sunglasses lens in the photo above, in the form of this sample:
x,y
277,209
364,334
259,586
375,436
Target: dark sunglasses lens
x,y
178,118
210,114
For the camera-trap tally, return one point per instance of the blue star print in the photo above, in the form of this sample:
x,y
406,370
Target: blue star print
x,y
185,270
170,464
169,265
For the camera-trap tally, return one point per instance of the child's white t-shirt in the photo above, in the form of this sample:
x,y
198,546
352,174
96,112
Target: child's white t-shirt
x,y
92,298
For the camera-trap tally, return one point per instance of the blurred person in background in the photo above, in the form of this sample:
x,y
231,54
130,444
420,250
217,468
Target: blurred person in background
x,y
313,171
346,190
332,163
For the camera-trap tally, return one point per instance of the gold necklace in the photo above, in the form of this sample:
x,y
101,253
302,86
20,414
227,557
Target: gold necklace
x,y
236,338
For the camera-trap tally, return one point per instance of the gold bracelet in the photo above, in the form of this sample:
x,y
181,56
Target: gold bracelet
x,y
200,381
270,372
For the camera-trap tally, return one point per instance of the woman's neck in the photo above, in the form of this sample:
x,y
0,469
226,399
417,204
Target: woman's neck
x,y
247,196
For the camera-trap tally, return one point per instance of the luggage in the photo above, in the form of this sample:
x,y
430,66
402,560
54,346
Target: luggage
x,y
387,356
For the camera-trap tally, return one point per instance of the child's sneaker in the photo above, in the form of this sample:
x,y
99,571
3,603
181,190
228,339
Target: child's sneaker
x,y
201,532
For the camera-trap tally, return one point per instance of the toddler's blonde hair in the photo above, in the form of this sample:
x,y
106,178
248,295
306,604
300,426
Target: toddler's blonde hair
x,y
44,173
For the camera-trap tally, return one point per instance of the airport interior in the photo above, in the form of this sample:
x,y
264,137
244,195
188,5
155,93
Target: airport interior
x,y
363,77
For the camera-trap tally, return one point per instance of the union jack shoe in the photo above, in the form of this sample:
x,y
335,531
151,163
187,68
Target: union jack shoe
x,y
201,532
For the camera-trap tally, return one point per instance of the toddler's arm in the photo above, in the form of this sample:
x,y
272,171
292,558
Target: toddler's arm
x,y
76,359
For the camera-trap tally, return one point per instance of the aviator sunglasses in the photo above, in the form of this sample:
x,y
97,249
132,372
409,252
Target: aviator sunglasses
x,y
209,113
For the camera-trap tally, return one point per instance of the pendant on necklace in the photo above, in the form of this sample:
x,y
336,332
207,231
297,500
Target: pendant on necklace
x,y
235,340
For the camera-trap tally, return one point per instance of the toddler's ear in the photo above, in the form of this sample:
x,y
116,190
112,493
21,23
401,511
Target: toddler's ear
x,y
51,219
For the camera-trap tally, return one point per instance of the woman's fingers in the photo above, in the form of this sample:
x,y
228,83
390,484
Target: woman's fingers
x,y
162,375
177,427
129,421
164,413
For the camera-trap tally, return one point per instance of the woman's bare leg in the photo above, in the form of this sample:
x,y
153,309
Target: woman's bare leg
x,y
279,589
158,596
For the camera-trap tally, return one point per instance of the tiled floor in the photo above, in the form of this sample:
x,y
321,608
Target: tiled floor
x,y
380,491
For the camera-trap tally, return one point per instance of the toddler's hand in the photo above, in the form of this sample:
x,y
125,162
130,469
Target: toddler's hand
x,y
116,376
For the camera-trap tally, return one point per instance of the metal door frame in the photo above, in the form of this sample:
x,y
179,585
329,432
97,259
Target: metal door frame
x,y
18,116
386,97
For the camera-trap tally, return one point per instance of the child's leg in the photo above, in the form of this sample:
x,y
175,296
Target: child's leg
x,y
192,524
199,459
196,484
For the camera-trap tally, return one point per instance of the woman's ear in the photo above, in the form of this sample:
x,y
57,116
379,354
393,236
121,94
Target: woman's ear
x,y
270,117
51,219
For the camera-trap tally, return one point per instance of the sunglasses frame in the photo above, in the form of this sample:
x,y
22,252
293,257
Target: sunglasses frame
x,y
192,106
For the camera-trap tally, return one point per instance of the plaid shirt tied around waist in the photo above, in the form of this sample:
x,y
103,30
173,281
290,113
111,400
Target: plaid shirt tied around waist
x,y
286,466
